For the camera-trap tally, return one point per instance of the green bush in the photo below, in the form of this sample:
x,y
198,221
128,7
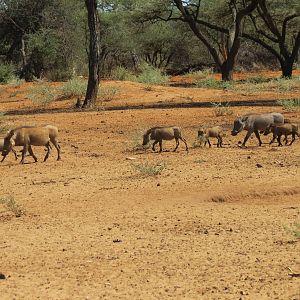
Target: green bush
x,y
294,231
149,169
211,83
75,87
6,72
290,104
107,94
121,73
151,75
11,205
42,94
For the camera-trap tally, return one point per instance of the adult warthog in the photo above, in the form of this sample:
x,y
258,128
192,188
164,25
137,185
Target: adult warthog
x,y
28,136
255,123
158,134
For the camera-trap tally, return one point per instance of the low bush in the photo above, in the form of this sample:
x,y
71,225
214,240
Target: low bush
x,y
149,169
11,205
6,72
150,75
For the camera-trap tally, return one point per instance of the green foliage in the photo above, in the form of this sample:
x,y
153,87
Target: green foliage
x,y
11,205
150,75
121,73
42,94
211,83
135,141
107,94
3,126
75,87
6,72
294,231
149,169
290,104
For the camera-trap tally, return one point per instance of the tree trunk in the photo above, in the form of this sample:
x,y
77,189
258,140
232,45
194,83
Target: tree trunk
x,y
287,68
94,66
227,71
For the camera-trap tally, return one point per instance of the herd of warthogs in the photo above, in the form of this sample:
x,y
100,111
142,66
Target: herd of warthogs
x,y
28,136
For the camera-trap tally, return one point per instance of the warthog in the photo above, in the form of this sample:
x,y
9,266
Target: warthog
x,y
28,136
158,134
1,148
255,123
215,132
284,129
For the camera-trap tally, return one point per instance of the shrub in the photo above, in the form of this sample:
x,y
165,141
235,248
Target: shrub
x,y
75,87
212,83
151,75
6,72
149,169
11,205
15,82
42,94
135,141
294,231
121,73
3,127
200,75
290,104
107,94
222,109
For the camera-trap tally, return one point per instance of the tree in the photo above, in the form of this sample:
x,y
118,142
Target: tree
x,y
93,54
222,43
277,28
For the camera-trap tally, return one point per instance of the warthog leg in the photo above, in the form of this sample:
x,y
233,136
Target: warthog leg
x,y
220,141
160,146
4,156
153,146
24,151
57,146
273,139
177,144
184,140
31,153
48,151
208,141
15,153
258,137
279,140
293,138
246,138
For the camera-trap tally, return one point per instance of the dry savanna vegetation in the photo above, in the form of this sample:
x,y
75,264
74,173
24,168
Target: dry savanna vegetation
x,y
114,220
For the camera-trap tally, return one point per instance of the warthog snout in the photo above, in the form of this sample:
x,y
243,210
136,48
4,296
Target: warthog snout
x,y
234,133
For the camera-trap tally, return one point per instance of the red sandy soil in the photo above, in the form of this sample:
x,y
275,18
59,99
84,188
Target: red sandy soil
x,y
212,225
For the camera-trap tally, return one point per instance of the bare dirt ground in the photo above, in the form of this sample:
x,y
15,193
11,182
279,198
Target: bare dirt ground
x,y
210,226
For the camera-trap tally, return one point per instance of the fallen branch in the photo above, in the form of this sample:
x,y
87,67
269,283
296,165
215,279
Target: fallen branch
x,y
292,273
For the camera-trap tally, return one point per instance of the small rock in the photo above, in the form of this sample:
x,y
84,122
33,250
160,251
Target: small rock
x,y
249,157
259,166
2,276
158,184
117,241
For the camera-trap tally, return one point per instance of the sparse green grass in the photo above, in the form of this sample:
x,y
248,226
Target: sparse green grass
x,y
135,141
290,104
10,204
211,83
295,231
149,169
3,126
121,73
42,94
200,75
6,72
75,87
16,82
222,109
107,94
150,75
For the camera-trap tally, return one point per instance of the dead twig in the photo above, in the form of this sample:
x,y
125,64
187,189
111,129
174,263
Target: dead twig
x,y
292,273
